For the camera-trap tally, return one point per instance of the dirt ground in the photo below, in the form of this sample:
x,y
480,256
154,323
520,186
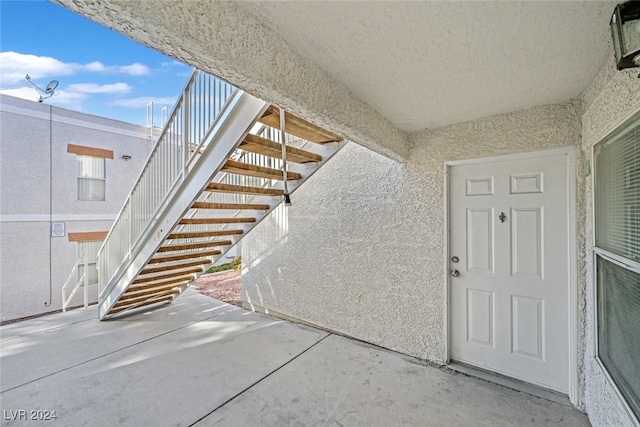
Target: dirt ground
x,y
223,286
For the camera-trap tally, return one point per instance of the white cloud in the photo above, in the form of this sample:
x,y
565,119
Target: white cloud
x,y
63,98
180,69
95,66
14,66
115,88
73,95
135,69
68,99
143,101
173,63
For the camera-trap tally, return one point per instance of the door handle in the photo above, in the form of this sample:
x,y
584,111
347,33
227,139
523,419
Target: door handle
x,y
455,273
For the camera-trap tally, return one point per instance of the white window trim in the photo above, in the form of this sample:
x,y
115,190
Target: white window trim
x,y
596,350
78,178
614,258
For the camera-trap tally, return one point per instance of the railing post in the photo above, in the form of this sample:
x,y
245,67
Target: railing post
x,y
131,236
99,278
185,128
86,279
285,176
159,178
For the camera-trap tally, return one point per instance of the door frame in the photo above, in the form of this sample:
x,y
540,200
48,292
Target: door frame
x,y
572,312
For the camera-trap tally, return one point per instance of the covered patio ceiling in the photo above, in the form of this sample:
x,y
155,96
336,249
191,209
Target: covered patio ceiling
x,y
429,64
375,71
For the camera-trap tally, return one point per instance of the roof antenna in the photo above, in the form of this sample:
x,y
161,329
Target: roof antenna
x,y
49,91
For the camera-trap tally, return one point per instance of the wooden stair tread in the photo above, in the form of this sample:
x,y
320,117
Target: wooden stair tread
x,y
172,282
158,268
148,290
190,255
142,297
240,168
259,145
234,206
216,220
175,274
243,189
175,264
202,234
143,304
191,246
299,127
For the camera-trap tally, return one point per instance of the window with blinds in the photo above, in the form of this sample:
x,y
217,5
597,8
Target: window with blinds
x,y
91,172
617,238
618,194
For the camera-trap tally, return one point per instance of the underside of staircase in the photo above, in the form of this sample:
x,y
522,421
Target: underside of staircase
x,y
228,177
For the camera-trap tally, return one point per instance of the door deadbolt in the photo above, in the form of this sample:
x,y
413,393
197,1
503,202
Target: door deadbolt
x,y
455,273
455,259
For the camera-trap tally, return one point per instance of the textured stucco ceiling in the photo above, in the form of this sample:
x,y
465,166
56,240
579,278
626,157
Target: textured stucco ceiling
x,y
376,71
429,64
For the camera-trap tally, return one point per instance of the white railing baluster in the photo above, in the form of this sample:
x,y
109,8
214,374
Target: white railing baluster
x,y
185,133
83,281
86,279
175,152
172,167
131,224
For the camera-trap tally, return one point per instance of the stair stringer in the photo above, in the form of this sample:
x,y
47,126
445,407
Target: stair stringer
x,y
229,131
328,150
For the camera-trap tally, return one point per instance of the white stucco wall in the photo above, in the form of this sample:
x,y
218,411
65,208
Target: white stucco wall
x,y
34,164
364,246
361,250
348,255
613,96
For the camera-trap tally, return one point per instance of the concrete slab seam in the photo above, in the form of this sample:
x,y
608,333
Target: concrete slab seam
x,y
260,380
109,353
43,331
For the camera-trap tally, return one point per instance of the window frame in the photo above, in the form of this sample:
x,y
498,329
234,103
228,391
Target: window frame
x,y
103,179
606,255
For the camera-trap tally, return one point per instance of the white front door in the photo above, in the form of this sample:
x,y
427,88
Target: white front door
x,y
509,263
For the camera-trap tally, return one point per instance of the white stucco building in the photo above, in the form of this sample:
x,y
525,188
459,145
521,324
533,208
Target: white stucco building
x,y
63,179
482,132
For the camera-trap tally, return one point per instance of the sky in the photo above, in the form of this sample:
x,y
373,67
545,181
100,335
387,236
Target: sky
x,y
99,71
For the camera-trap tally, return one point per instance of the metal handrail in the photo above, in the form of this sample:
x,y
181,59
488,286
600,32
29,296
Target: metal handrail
x,y
83,259
203,100
181,160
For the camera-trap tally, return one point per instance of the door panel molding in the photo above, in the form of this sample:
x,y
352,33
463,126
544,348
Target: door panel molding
x,y
480,240
523,265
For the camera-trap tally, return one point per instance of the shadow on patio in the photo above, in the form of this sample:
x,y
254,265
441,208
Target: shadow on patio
x,y
202,362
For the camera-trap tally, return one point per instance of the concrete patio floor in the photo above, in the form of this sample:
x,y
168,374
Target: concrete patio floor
x,y
201,362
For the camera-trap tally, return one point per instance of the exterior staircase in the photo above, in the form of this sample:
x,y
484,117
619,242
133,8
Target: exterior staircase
x,y
216,171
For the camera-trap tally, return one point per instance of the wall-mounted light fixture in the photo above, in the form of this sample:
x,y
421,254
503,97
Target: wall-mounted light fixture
x,y
126,157
625,30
